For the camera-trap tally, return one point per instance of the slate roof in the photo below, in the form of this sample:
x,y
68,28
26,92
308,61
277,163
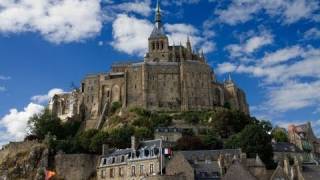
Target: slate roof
x,y
285,147
213,154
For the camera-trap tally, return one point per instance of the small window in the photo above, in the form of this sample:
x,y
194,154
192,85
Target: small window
x,y
103,174
151,169
120,171
111,173
133,171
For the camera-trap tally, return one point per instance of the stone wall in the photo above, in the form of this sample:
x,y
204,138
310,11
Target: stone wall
x,y
75,166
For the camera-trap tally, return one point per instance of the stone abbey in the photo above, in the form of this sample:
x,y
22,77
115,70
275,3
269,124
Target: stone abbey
x,y
170,78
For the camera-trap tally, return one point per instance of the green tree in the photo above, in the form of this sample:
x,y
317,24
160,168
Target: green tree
x,y
279,135
121,137
97,141
83,140
227,123
42,124
143,133
253,139
211,140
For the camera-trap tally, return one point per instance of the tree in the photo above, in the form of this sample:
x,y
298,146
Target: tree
x,y
97,141
211,140
254,139
121,137
83,140
42,124
143,133
279,135
227,123
189,143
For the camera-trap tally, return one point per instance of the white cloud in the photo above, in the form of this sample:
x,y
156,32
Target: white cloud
x,y
42,99
294,95
58,21
179,33
282,55
312,33
179,2
290,84
287,11
131,34
2,88
226,68
251,45
15,122
142,8
4,78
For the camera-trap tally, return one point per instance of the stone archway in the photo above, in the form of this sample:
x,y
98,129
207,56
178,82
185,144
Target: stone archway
x,y
115,91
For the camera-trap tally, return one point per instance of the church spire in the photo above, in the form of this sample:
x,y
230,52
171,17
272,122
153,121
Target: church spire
x,y
158,15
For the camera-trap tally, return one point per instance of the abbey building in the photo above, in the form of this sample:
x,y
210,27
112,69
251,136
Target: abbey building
x,y
169,78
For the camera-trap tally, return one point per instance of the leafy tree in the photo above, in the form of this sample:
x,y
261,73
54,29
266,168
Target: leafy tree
x,y
211,140
253,139
143,133
84,139
279,135
189,143
97,141
121,137
227,123
42,124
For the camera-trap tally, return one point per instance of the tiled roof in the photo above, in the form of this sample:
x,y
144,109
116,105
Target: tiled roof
x,y
238,171
213,154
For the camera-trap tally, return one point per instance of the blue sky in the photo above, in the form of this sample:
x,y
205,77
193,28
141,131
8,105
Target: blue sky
x,y
271,48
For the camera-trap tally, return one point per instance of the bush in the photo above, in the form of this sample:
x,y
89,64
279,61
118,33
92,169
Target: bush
x,y
115,106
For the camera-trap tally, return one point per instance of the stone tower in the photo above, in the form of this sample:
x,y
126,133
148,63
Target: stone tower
x,y
158,41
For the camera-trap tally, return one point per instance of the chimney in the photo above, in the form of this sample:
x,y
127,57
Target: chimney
x,y
105,149
134,143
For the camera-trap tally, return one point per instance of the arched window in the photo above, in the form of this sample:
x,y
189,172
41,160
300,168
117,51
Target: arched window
x,y
161,45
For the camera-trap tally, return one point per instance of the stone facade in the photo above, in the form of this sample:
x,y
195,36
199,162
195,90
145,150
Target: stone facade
x,y
170,78
303,137
142,161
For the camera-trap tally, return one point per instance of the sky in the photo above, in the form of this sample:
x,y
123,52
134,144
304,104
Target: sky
x,y
271,48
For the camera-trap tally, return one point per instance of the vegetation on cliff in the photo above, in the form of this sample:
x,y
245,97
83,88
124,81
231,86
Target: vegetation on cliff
x,y
223,128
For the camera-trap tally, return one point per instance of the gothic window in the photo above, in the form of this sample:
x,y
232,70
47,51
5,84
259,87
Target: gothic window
x,y
153,46
161,44
157,45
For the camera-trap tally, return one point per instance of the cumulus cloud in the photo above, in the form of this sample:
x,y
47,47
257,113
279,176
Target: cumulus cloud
x,y
58,21
287,11
130,34
15,122
42,99
295,95
284,73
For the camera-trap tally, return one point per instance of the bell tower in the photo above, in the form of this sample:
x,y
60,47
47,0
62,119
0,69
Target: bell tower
x,y
158,41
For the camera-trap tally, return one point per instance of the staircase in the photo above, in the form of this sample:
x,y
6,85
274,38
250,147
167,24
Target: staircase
x,y
103,115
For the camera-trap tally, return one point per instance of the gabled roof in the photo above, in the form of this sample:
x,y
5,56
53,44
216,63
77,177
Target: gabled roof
x,y
238,171
279,173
